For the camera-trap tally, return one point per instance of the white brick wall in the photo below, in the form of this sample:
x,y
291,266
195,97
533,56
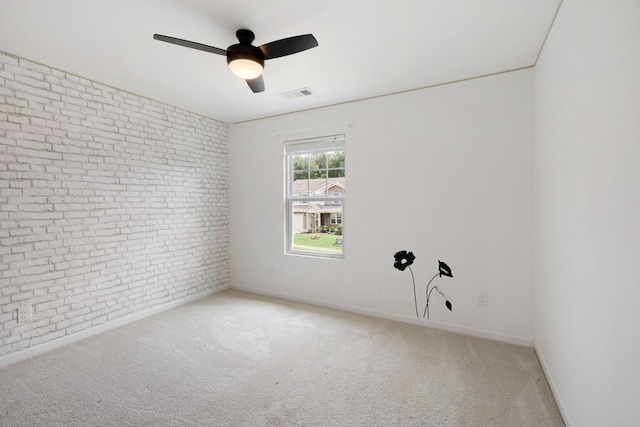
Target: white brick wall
x,y
110,203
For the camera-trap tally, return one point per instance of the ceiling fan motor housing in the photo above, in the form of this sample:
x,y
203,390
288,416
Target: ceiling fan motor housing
x,y
245,51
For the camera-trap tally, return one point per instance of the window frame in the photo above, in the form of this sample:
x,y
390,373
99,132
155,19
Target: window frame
x,y
292,148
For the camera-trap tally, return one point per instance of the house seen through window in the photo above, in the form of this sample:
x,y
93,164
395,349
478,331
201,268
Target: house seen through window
x,y
315,191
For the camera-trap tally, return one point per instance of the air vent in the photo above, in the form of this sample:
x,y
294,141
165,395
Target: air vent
x,y
298,93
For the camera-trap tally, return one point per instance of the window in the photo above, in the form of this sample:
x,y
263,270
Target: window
x,y
335,218
315,193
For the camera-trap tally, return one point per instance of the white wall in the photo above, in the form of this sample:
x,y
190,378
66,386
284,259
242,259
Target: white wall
x,y
587,211
110,204
445,172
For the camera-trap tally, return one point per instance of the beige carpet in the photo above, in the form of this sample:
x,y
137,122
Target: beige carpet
x,y
236,359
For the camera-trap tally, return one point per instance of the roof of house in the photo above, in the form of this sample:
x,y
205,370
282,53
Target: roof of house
x,y
315,184
317,208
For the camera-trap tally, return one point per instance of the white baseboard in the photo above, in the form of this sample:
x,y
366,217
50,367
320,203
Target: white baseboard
x,y
68,339
551,382
496,336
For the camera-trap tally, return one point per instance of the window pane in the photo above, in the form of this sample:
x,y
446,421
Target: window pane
x,y
336,159
318,185
317,229
301,162
318,161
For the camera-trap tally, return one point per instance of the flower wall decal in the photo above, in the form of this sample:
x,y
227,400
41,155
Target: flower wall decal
x,y
404,260
444,269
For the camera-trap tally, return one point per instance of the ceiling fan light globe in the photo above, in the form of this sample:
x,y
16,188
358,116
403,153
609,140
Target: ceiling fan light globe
x,y
245,68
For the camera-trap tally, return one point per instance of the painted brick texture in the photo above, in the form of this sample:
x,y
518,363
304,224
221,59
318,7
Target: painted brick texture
x,y
110,203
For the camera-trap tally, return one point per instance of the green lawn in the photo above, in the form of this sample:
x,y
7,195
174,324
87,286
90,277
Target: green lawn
x,y
325,243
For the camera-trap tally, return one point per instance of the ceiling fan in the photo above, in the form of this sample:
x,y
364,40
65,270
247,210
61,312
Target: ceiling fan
x,y
247,61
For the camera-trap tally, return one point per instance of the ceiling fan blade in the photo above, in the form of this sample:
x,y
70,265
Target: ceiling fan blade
x,y
288,46
257,84
192,45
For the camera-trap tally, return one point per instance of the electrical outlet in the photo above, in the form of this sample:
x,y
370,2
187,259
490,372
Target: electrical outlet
x,y
483,299
24,314
270,268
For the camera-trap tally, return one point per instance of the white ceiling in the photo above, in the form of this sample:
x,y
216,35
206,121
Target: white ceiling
x,y
366,48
